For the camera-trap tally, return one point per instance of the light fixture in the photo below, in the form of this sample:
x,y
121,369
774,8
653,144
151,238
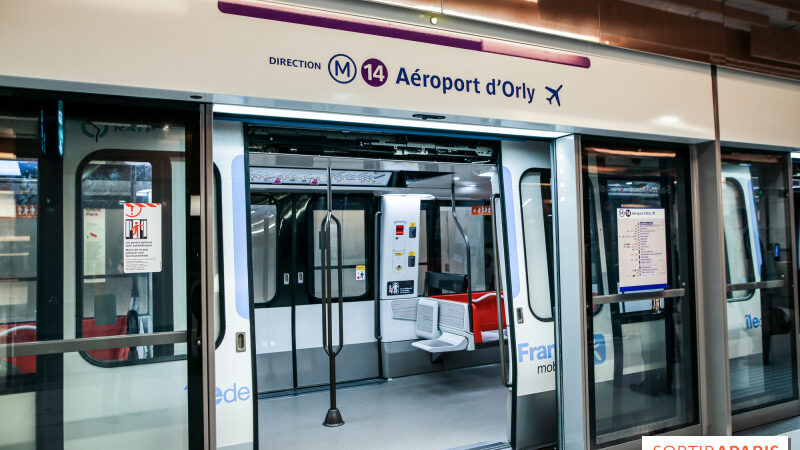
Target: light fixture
x,y
434,20
419,196
383,121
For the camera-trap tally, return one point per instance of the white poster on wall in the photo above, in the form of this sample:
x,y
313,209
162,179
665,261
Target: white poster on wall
x,y
141,236
94,241
642,249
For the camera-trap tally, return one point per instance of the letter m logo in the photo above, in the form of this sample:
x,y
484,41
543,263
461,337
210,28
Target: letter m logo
x,y
342,68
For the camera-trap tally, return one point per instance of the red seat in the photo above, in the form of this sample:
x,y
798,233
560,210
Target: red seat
x,y
484,313
115,329
24,364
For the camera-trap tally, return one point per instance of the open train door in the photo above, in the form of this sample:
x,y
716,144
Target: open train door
x,y
525,175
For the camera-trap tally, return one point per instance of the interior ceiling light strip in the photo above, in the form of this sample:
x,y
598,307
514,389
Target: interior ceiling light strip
x,y
375,27
382,121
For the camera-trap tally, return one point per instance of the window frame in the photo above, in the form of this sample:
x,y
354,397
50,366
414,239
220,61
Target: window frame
x,y
155,158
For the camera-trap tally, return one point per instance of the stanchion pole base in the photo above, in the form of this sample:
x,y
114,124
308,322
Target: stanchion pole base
x,y
333,418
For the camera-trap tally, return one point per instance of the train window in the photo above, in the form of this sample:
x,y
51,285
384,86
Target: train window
x,y
738,257
18,238
477,227
219,285
537,225
115,299
423,242
264,236
352,212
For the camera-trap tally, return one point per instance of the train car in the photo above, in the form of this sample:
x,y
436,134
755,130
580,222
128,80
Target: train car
x,y
392,213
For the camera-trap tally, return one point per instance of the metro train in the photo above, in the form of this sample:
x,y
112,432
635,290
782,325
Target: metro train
x,y
410,233
405,270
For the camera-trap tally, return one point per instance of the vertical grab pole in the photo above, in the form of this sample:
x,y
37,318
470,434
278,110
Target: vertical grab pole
x,y
469,258
497,284
333,418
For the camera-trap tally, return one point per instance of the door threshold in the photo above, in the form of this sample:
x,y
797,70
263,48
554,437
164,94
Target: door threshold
x,y
321,388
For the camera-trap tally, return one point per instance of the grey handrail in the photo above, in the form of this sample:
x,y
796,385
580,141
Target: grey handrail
x,y
333,418
770,284
498,295
469,257
34,348
645,295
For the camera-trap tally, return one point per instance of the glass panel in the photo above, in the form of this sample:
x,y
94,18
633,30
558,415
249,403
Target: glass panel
x,y
129,274
20,142
537,227
761,346
453,254
354,249
118,298
636,205
264,236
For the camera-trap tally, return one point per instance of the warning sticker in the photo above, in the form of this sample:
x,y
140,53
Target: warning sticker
x,y
481,210
361,273
141,235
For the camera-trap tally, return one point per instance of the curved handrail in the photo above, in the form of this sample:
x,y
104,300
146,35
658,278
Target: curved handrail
x,y
17,328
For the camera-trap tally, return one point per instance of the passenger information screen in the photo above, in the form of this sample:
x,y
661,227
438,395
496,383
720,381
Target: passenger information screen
x,y
642,247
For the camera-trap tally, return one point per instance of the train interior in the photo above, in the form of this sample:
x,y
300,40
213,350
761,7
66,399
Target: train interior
x,y
377,249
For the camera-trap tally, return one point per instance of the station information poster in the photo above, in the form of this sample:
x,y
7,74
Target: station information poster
x,y
94,241
642,247
141,235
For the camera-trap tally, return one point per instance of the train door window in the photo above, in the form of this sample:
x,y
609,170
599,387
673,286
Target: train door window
x,y
19,180
643,371
119,294
738,260
477,227
354,213
219,285
264,236
537,225
425,206
761,303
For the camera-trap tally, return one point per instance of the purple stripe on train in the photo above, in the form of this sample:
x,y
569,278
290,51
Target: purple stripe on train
x,y
377,27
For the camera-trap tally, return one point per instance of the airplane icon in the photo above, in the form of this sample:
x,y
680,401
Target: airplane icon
x,y
554,95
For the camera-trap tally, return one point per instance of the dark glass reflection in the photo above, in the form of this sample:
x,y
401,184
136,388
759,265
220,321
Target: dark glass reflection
x,y
758,263
643,363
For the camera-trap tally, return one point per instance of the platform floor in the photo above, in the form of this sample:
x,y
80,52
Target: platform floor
x,y
787,427
434,411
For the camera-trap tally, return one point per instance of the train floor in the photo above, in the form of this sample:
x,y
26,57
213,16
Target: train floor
x,y
443,410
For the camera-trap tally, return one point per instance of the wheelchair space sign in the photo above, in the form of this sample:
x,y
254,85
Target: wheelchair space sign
x,y
141,235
